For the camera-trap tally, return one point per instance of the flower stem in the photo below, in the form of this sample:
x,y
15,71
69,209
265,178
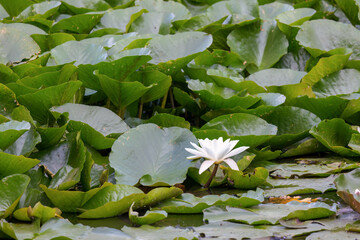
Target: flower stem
x,y
207,184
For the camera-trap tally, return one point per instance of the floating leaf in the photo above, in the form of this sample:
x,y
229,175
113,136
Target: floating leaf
x,y
11,131
17,44
189,204
149,217
270,213
254,44
321,36
11,189
162,160
346,185
241,180
95,123
248,129
335,134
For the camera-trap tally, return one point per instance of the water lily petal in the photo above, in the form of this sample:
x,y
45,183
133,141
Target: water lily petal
x,y
205,154
205,165
195,152
232,164
236,151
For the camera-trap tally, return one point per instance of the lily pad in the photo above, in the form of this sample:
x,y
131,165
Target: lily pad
x,y
11,131
11,164
95,123
149,217
270,213
189,204
161,162
248,129
241,180
12,187
321,36
219,97
346,185
70,201
17,44
335,134
254,44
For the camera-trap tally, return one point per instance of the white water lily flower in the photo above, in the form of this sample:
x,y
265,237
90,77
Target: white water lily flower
x,y
215,152
357,192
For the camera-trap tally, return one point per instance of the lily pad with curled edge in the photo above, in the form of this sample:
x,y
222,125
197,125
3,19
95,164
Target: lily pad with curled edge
x,y
150,217
10,131
335,134
160,233
70,201
12,164
157,195
346,185
172,52
241,180
151,155
299,186
270,214
95,123
250,130
189,204
11,189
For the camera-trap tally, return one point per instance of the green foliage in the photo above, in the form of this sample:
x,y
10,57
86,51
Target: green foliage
x,y
100,98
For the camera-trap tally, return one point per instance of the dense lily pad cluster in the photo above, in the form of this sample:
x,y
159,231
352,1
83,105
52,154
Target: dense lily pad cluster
x,y
100,98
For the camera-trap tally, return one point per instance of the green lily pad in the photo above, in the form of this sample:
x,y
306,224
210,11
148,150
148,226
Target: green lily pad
x,y
248,129
305,146
153,23
150,232
39,211
12,187
321,36
70,201
78,52
325,108
172,52
119,69
121,94
318,168
41,101
168,120
113,208
326,66
335,134
10,131
95,123
43,9
83,6
254,44
286,118
219,97
164,164
179,11
241,180
11,164
81,23
25,144
189,204
121,18
157,195
334,84
270,213
346,185
299,186
276,77
149,217
17,44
